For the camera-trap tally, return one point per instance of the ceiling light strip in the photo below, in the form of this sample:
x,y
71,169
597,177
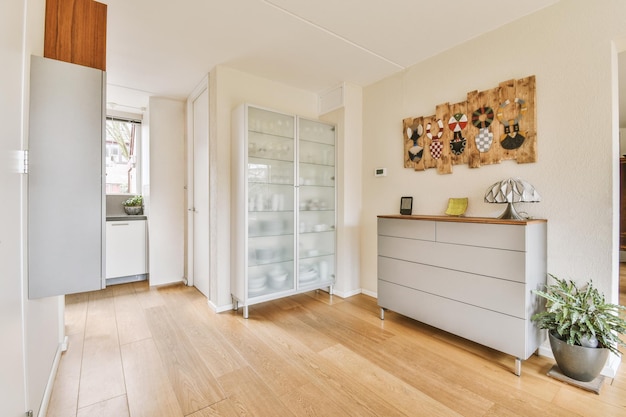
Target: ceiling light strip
x,y
330,32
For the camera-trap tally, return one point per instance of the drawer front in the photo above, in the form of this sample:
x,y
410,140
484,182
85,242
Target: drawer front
x,y
498,236
505,264
499,295
410,229
403,248
488,328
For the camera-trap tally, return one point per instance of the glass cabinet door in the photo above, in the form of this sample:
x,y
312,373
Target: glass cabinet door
x,y
316,204
270,177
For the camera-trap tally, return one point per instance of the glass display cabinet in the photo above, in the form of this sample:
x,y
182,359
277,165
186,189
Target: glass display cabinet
x,y
283,226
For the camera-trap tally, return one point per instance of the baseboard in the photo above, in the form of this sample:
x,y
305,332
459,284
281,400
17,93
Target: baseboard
x,y
346,294
609,370
45,401
219,309
370,293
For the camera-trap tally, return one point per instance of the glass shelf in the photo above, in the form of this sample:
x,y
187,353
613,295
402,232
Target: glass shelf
x,y
315,256
316,231
276,135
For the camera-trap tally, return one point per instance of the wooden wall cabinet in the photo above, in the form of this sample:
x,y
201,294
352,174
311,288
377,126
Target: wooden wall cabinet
x,y
76,32
472,277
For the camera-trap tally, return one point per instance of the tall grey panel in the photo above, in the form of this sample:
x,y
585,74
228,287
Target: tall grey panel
x,y
65,179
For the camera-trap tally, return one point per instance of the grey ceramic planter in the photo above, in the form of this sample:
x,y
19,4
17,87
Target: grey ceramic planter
x,y
133,210
577,362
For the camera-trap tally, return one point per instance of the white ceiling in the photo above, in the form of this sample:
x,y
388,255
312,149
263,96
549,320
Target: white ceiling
x,y
165,47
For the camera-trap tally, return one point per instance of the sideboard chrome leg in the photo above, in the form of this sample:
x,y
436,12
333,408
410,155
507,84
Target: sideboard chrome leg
x,y
382,313
518,366
245,312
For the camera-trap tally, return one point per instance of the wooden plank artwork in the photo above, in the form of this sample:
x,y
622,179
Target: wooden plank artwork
x,y
491,126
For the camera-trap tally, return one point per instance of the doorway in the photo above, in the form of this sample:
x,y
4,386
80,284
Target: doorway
x,y
621,87
198,183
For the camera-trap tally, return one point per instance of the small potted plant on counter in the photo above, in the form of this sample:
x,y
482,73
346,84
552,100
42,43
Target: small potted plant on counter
x,y
582,327
133,205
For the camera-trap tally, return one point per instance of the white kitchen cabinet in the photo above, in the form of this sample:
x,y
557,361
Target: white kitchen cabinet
x,y
126,253
283,224
472,277
66,213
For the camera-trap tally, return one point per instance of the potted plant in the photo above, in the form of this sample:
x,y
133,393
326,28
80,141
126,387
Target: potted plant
x,y
133,205
582,327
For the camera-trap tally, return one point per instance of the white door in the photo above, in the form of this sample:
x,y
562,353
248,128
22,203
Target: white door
x,y
200,208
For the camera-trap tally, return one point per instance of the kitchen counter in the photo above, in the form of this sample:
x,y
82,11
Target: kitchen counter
x,y
126,217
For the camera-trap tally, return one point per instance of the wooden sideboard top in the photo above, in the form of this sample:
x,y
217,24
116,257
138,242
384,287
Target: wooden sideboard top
x,y
461,219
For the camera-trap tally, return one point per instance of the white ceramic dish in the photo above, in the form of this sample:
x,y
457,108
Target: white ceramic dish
x,y
257,281
278,281
308,276
256,291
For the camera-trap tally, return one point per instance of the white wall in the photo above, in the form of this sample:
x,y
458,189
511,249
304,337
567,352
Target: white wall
x,y
12,389
31,329
349,122
568,47
164,189
44,320
228,89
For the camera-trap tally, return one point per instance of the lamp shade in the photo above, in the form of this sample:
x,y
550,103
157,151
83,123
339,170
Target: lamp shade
x,y
509,191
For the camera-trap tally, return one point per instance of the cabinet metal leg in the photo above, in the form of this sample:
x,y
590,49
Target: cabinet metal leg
x,y
245,312
382,313
518,366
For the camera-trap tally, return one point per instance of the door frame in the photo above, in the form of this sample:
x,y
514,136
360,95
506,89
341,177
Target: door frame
x,y
189,218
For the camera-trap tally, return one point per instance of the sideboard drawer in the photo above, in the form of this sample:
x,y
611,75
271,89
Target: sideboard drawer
x,y
505,264
481,291
499,236
407,229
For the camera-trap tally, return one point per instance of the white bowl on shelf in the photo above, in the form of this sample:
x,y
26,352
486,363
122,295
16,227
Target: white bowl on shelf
x,y
277,281
256,281
252,292
308,273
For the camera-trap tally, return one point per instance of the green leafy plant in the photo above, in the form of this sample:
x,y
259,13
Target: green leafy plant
x,y
574,313
136,201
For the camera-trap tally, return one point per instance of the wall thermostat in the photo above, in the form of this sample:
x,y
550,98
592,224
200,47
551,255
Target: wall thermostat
x,y
380,172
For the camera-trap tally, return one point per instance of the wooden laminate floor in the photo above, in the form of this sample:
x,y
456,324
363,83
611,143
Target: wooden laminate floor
x,y
140,351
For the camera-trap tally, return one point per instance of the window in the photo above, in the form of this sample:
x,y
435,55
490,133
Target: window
x,y
122,156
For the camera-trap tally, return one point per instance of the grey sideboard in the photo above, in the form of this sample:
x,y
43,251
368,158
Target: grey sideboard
x,y
468,276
